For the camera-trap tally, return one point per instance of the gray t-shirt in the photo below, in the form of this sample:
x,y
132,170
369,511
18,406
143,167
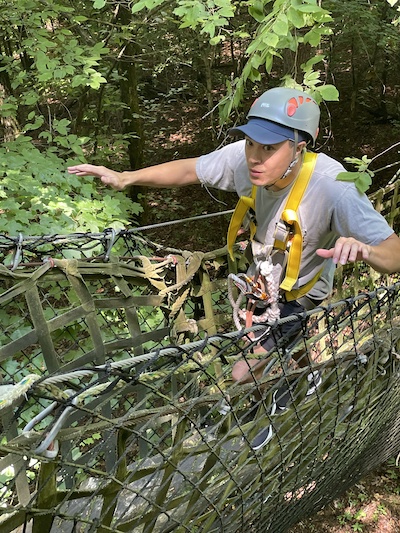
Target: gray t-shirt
x,y
329,209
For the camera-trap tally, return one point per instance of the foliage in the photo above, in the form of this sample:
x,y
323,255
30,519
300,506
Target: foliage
x,y
286,25
45,66
362,177
206,17
38,197
78,78
52,63
392,3
365,37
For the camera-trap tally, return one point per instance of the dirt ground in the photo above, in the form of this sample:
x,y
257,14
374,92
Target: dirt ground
x,y
371,506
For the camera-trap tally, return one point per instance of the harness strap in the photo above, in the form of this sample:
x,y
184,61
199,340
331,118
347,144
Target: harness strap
x,y
244,204
290,217
288,233
295,294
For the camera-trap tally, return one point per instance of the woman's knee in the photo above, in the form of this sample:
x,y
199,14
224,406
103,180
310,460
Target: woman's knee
x,y
242,370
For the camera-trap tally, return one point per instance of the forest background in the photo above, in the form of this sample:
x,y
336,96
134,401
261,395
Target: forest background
x,y
132,84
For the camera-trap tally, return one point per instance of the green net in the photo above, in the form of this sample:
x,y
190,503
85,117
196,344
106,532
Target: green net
x,y
118,408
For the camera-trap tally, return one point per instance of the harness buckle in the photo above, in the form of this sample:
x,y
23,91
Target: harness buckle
x,y
282,234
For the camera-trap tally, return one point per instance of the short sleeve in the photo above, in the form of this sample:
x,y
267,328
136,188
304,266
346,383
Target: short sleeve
x,y
354,216
225,169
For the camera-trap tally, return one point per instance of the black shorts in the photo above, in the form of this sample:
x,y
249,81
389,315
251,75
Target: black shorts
x,y
288,330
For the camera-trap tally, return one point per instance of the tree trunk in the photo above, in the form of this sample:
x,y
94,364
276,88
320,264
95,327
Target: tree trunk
x,y
9,126
132,122
208,55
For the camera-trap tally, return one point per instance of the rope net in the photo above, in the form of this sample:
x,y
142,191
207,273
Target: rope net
x,y
118,408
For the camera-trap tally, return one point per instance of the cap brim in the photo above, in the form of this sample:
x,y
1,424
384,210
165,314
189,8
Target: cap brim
x,y
258,133
266,131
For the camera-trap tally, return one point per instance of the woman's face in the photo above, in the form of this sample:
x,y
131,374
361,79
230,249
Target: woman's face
x,y
267,163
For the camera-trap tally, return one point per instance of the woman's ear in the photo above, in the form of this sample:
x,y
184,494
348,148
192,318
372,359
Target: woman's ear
x,y
300,147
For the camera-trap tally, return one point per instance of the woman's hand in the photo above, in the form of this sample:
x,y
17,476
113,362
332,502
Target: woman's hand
x,y
383,257
108,177
346,250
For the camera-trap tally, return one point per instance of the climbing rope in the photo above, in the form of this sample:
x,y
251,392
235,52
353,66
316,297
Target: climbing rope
x,y
258,291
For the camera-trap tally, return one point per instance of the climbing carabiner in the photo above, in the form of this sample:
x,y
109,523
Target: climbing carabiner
x,y
49,446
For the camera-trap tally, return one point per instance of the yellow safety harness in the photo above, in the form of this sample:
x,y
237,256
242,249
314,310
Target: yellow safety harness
x,y
288,234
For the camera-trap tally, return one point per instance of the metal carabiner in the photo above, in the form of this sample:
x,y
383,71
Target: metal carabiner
x,y
49,446
18,252
112,235
239,283
256,291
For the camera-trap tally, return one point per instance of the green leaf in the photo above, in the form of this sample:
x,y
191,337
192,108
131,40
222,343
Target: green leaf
x,y
61,126
41,61
310,8
296,17
313,37
362,180
347,176
96,81
256,10
255,61
253,47
311,62
217,40
8,110
255,75
226,12
361,164
29,98
209,28
99,4
271,39
138,6
35,125
329,93
46,135
281,26
269,62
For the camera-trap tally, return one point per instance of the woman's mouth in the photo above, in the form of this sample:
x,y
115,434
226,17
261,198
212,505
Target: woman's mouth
x,y
254,173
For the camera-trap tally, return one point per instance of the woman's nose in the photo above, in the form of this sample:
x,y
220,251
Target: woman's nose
x,y
253,155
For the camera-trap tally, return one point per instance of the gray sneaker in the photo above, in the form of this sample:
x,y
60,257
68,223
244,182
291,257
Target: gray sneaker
x,y
265,434
283,396
280,398
314,379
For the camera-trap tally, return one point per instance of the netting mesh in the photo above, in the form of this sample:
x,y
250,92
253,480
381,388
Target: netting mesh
x,y
118,408
119,412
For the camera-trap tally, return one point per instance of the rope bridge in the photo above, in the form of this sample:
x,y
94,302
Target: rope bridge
x,y
119,412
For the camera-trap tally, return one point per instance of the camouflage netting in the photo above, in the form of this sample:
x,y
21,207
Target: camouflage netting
x,y
117,405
